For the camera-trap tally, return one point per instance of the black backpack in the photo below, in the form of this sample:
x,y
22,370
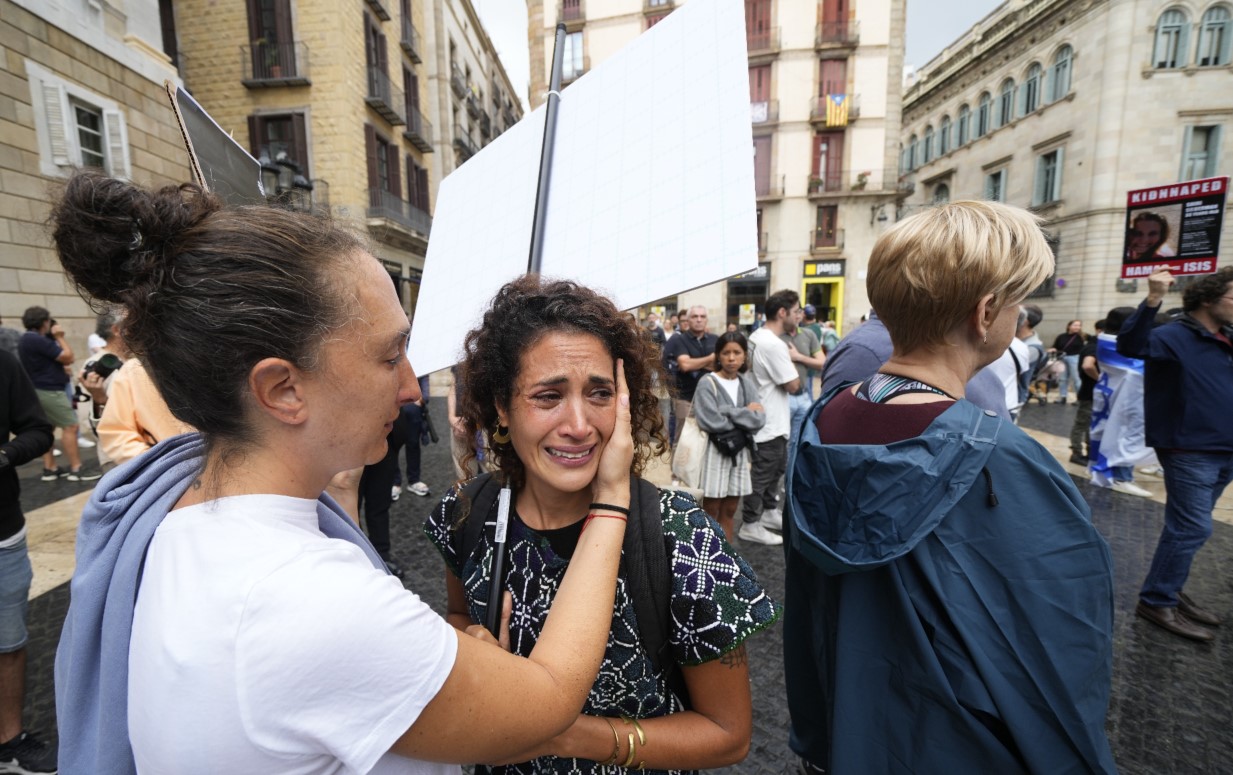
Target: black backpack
x,y
644,559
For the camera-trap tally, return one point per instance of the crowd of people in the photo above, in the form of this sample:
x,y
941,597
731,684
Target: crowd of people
x,y
948,602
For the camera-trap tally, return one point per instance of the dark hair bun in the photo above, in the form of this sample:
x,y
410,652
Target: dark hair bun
x,y
116,239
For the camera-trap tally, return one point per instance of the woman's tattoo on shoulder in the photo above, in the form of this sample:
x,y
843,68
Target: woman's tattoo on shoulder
x,y
734,658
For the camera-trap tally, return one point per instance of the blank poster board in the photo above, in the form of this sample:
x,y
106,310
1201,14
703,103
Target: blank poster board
x,y
218,162
652,188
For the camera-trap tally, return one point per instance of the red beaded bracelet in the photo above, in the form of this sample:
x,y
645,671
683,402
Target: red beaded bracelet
x,y
590,517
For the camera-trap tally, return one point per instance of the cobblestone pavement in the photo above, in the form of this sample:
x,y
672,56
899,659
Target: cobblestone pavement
x,y
1171,704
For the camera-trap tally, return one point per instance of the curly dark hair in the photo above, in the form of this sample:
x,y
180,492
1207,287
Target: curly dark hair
x,y
522,313
1207,289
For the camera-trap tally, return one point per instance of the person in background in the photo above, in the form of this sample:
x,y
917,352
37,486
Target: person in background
x,y
693,355
420,433
949,602
805,350
225,615
1089,372
1067,346
776,377
1117,440
97,375
1188,392
45,354
135,417
657,331
25,434
9,338
727,400
1013,372
809,321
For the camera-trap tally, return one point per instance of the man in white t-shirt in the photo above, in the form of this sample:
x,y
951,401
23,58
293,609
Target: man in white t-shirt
x,y
776,377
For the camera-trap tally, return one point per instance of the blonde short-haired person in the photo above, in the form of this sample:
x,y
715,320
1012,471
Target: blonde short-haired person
x,y
948,601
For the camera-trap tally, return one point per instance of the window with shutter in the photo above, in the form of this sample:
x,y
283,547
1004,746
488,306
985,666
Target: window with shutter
x,y
1214,37
1172,32
76,127
961,127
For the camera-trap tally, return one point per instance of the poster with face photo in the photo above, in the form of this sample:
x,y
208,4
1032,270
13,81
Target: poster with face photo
x,y
1178,224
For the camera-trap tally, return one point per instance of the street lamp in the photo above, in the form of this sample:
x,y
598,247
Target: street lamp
x,y
878,212
269,177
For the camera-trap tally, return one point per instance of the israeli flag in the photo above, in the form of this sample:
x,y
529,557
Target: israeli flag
x,y
1118,429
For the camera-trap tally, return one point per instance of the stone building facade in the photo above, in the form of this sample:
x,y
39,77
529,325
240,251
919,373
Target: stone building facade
x,y
81,85
355,96
824,111
1062,106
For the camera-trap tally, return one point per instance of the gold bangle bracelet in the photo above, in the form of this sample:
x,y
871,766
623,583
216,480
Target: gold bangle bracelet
x,y
616,745
637,728
632,749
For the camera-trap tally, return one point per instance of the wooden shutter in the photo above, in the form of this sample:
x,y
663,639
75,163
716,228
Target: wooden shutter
x,y
53,108
762,164
299,137
374,178
834,10
834,77
834,157
413,182
395,171
760,83
757,18
254,136
422,177
116,142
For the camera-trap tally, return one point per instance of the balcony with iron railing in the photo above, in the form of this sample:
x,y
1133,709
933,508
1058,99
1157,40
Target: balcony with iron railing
x,y
847,111
274,64
765,112
485,124
463,143
410,40
386,206
507,113
458,80
379,9
474,109
838,34
418,130
385,98
763,42
655,6
767,188
825,240
847,183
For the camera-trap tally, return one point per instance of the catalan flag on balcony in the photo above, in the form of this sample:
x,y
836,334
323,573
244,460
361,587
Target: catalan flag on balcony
x,y
836,110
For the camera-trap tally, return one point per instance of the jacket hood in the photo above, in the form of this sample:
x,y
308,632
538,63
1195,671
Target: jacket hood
x,y
857,507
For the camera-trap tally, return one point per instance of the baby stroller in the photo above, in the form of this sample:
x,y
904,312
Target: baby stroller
x,y
1049,372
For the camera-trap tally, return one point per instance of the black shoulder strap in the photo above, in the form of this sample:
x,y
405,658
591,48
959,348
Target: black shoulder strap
x,y
482,493
649,575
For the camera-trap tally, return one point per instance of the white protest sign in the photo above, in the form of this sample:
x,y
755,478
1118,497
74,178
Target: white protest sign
x,y
652,188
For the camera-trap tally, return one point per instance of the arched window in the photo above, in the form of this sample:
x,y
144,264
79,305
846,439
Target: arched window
x,y
928,156
962,127
913,143
1172,35
1059,75
1031,88
1214,37
944,136
1006,102
983,115
941,194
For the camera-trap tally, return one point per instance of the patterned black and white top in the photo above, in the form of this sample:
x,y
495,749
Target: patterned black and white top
x,y
716,604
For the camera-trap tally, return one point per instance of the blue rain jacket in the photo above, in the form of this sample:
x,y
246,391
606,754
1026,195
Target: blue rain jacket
x,y
927,630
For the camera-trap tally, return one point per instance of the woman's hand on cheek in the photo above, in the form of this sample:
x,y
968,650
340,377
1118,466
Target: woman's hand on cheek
x,y
611,483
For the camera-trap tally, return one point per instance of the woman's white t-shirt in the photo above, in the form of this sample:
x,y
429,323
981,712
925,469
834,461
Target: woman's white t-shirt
x,y
731,386
259,645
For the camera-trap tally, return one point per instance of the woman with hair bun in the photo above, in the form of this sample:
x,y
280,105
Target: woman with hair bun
x,y
538,388
226,616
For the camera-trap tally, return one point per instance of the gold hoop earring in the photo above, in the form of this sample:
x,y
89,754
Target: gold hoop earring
x,y
500,435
